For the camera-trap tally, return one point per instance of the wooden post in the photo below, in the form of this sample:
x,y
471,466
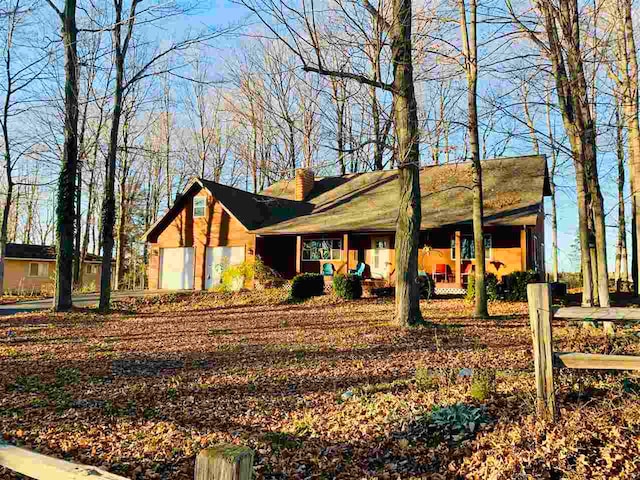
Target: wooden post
x,y
345,248
524,263
458,248
298,254
224,462
540,315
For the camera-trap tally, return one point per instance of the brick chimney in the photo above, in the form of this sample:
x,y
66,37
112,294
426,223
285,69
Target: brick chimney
x,y
304,183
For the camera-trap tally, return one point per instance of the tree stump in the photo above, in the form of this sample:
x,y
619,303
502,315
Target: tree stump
x,y
224,462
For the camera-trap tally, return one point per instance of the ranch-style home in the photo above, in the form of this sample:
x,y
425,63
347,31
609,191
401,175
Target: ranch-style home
x,y
30,269
347,223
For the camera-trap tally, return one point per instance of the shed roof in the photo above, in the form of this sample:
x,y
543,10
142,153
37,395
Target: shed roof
x,y
513,189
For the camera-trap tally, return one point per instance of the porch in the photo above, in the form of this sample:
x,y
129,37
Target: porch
x,y
446,254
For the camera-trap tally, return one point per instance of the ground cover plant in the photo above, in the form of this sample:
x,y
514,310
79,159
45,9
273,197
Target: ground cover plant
x,y
325,388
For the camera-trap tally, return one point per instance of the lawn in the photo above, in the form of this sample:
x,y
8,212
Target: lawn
x,y
320,389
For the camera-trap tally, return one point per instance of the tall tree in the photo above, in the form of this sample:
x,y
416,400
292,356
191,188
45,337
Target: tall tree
x,y
626,77
561,24
468,31
312,47
66,195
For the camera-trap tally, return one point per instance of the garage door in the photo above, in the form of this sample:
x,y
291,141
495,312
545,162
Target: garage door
x,y
176,268
217,259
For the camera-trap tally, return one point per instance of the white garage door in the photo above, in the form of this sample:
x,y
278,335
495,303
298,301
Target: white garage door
x,y
218,258
176,268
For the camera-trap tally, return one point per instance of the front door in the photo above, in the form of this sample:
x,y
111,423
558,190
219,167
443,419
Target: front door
x,y
380,257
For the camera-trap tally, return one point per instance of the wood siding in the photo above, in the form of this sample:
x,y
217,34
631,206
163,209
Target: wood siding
x,y
435,248
216,229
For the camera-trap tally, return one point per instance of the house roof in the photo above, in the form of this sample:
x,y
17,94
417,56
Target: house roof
x,y
251,210
513,189
39,252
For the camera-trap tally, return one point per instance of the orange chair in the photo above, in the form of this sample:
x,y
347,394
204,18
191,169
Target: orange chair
x,y
441,270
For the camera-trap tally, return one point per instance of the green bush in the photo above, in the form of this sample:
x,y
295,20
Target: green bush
x,y
265,276
234,276
483,383
490,283
347,286
427,286
306,285
424,379
514,285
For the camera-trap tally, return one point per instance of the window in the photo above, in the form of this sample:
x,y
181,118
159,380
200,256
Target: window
x,y
38,269
91,269
199,206
329,249
467,247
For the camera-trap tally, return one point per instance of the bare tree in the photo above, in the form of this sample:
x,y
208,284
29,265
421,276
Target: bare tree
x,y
65,208
313,47
470,53
563,48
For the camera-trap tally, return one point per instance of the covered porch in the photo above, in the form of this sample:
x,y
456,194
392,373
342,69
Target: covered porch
x,y
446,254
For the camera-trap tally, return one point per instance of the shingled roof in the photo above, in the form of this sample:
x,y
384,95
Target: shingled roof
x,y
513,190
39,252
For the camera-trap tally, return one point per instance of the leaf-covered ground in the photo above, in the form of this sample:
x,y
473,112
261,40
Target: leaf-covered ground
x,y
320,389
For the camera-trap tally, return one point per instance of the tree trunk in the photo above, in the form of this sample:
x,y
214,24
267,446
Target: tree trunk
x,y
552,185
410,205
628,87
109,202
470,51
65,208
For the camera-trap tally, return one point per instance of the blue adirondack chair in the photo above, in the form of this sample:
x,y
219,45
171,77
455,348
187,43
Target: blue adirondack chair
x,y
327,269
359,270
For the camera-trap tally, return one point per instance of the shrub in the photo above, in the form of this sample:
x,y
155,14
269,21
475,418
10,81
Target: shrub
x,y
347,286
424,379
233,276
514,285
490,283
306,285
265,276
483,383
427,286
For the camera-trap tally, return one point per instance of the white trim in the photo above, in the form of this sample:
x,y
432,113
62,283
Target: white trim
x,y
204,207
321,259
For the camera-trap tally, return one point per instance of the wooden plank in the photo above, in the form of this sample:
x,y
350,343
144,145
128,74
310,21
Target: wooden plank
x,y
595,361
224,462
345,247
621,314
458,249
524,264
38,466
298,254
539,297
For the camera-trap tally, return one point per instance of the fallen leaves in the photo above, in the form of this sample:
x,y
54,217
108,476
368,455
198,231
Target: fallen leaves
x,y
139,392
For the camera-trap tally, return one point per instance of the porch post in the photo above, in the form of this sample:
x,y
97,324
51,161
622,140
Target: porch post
x,y
458,247
345,248
298,254
523,249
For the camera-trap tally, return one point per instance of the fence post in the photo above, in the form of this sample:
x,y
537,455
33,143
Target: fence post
x,y
540,316
224,462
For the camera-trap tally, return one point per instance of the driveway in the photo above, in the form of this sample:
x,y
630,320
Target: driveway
x,y
80,300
